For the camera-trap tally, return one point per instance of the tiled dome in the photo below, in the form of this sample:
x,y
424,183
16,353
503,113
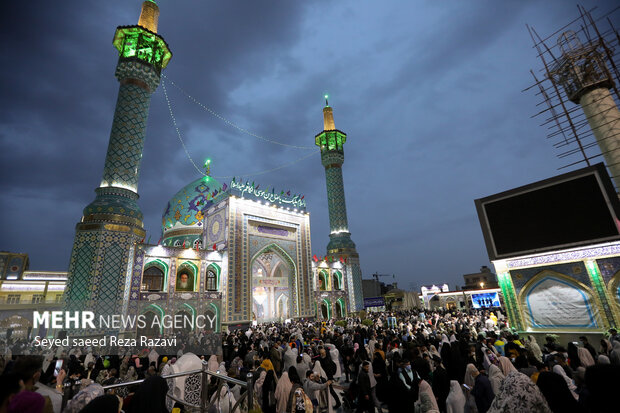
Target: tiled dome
x,y
186,208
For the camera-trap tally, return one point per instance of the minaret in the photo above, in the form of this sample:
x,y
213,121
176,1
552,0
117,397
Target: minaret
x,y
331,142
585,77
102,255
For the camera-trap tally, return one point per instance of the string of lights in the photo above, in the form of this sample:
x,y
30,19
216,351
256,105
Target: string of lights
x,y
176,127
286,165
230,123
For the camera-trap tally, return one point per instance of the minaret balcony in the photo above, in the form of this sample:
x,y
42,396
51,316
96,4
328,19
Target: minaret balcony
x,y
139,43
331,140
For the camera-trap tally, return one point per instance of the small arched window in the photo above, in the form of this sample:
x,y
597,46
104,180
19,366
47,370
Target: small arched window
x,y
211,280
153,279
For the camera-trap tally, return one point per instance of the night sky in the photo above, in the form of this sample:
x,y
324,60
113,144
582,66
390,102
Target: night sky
x,y
429,94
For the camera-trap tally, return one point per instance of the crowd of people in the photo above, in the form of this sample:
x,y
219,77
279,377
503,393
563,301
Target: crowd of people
x,y
413,361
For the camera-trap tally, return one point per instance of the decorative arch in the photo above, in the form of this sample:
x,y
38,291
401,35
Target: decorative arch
x,y
212,283
278,250
276,269
287,259
216,310
323,277
284,299
328,307
185,306
340,302
156,311
161,265
568,296
337,276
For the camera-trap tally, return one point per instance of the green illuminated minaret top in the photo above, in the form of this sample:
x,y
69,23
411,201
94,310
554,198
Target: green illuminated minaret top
x,y
142,55
331,142
112,224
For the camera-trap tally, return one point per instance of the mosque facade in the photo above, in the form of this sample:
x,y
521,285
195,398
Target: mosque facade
x,y
232,250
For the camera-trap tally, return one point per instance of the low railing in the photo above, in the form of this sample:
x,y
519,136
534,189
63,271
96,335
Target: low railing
x,y
205,403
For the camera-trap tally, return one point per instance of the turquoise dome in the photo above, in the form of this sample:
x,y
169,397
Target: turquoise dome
x,y
186,209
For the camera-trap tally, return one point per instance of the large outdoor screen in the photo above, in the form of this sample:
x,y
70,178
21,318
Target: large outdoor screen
x,y
577,208
485,300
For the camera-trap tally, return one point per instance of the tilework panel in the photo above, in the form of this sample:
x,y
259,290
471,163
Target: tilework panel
x,y
335,200
132,69
610,249
576,270
356,298
608,267
112,280
80,267
122,163
215,230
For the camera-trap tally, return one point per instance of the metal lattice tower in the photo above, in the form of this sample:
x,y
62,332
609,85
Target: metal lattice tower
x,y
579,89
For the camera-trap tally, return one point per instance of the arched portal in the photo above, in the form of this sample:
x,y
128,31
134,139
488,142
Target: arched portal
x,y
273,275
151,327
323,280
212,318
186,318
326,310
282,307
340,310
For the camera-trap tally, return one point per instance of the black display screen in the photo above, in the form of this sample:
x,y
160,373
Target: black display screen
x,y
568,210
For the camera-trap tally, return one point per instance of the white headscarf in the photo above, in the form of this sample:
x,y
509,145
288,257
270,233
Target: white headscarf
x,y
585,358
469,378
506,365
571,386
532,346
283,391
455,402
426,398
496,377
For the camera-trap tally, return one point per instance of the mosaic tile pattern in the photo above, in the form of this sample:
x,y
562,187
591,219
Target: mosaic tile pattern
x,y
356,298
113,200
80,267
189,206
132,69
335,200
613,248
98,269
576,270
122,163
608,267
599,287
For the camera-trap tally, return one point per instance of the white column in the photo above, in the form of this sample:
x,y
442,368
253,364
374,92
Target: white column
x,y
604,119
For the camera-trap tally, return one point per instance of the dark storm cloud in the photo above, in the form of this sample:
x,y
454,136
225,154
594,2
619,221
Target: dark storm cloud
x,y
428,93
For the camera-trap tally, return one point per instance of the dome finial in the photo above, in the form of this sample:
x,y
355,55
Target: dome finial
x,y
328,116
207,166
149,16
